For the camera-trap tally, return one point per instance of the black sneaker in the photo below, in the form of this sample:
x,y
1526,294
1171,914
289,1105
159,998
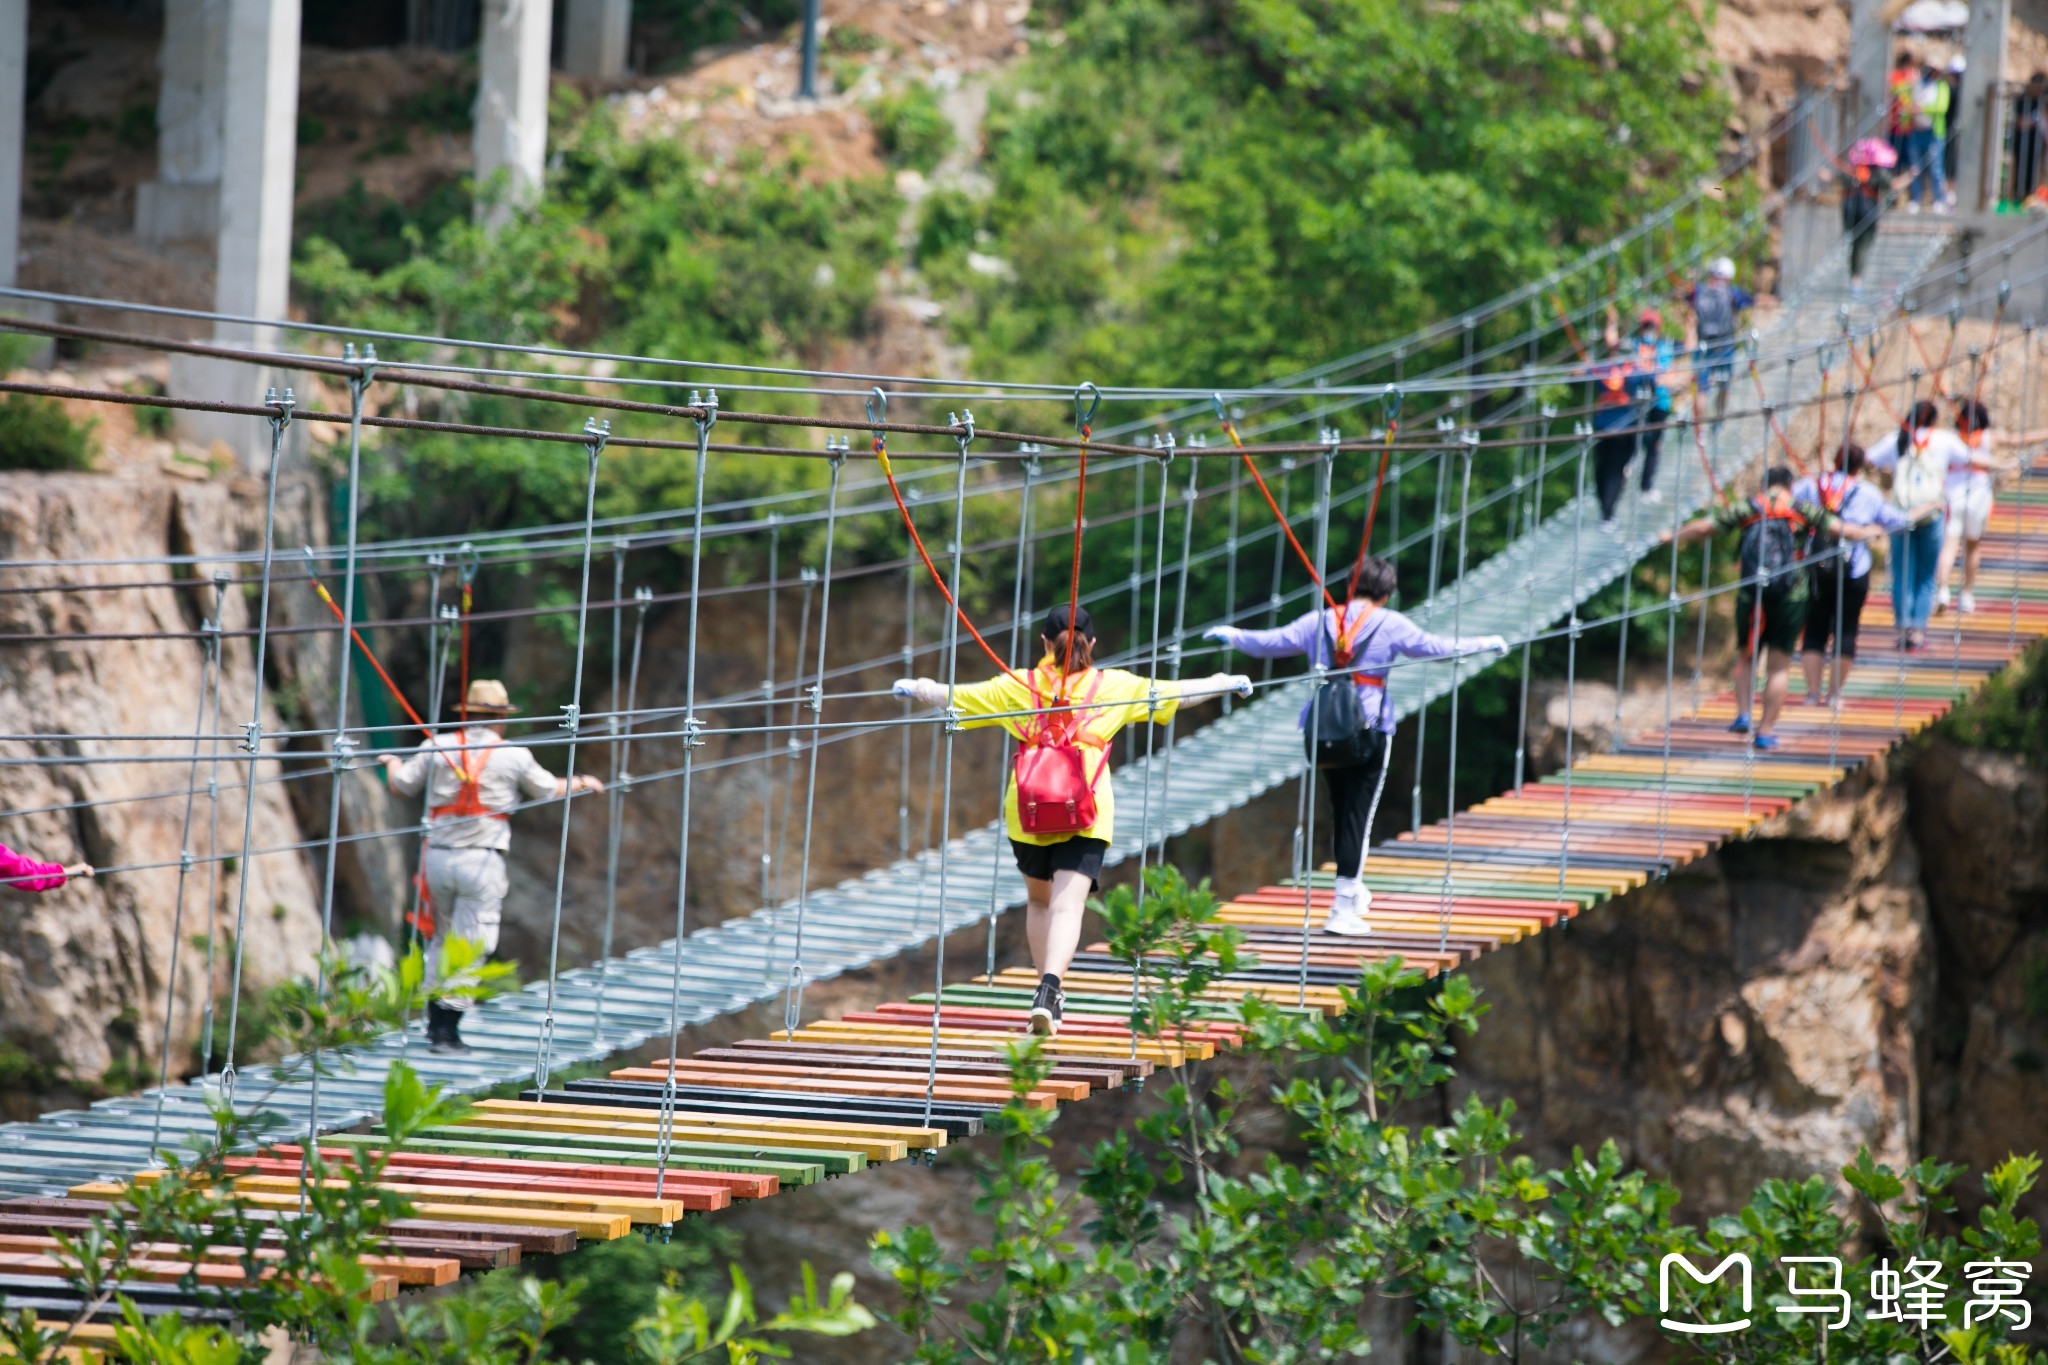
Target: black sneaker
x,y
444,1029
1045,1009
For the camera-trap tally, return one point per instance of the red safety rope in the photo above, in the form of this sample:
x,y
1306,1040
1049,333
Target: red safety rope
x,y
1230,429
370,654
1771,417
1372,512
938,581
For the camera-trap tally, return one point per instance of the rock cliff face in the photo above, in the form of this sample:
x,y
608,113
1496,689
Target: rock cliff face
x,y
84,970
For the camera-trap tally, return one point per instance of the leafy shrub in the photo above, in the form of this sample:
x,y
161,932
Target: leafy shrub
x,y
912,127
946,224
2011,713
35,433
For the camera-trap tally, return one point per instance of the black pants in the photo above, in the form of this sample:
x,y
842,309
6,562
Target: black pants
x,y
1860,238
1653,442
1611,455
1351,792
1820,611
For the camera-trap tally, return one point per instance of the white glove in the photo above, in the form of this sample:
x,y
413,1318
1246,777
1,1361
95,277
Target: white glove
x,y
1222,635
905,688
1241,684
1496,643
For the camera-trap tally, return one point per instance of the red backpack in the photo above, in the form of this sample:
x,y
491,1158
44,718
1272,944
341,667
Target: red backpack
x,y
1055,795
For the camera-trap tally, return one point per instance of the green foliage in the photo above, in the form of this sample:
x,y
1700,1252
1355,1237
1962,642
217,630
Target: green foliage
x,y
375,232
1234,191
1198,1248
2009,713
445,107
619,1283
682,1327
911,127
946,223
35,433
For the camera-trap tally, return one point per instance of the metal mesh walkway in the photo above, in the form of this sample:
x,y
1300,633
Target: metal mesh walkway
x,y
622,1003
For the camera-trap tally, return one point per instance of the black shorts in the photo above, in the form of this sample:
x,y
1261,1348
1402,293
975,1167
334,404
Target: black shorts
x,y
1820,612
1040,861
1784,619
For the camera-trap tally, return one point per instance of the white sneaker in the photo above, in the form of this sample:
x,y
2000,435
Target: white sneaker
x,y
1608,526
1652,496
1346,923
1941,600
1912,206
1969,601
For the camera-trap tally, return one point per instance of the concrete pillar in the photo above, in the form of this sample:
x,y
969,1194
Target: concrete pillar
x,y
1870,61
511,136
1980,123
253,265
594,37
13,91
183,202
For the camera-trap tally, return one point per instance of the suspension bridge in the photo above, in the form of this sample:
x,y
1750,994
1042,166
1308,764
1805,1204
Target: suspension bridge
x,y
592,1158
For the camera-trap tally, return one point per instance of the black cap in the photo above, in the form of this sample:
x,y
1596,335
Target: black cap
x,y
1056,622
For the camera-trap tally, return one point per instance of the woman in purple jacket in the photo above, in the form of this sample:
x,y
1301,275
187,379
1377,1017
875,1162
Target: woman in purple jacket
x,y
21,873
1375,636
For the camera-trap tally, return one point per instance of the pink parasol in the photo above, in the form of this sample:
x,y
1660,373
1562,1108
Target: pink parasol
x,y
1873,152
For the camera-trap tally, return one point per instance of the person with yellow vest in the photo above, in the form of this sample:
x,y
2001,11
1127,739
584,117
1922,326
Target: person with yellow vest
x,y
1058,807
473,780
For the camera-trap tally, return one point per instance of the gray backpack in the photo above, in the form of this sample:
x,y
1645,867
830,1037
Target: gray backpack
x,y
1714,305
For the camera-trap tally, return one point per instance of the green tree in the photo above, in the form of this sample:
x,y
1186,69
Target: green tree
x,y
1196,1248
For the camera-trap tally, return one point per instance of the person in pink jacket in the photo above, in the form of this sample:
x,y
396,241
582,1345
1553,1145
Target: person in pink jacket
x,y
21,873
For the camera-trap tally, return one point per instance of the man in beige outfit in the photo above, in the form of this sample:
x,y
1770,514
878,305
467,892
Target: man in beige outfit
x,y
473,780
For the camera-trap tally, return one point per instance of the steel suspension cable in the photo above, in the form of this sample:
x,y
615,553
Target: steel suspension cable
x,y
793,994
1443,912
209,661
622,783
343,761
952,729
280,419
595,435
666,1128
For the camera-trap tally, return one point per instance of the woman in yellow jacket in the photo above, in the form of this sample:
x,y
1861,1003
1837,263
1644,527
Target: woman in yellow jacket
x,y
1061,869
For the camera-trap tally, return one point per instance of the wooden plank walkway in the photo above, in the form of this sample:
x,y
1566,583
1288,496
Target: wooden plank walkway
x,y
580,1161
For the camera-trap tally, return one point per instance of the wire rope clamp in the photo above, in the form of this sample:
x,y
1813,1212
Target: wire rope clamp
x,y
953,725
963,429
281,408
693,736
345,749
252,736
643,598
814,698
2005,286
572,717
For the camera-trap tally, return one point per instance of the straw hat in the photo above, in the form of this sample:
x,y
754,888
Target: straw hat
x,y
487,697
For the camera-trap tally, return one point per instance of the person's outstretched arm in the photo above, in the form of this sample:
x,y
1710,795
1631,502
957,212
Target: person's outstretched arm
x,y
989,702
1296,637
22,873
1410,641
1215,685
